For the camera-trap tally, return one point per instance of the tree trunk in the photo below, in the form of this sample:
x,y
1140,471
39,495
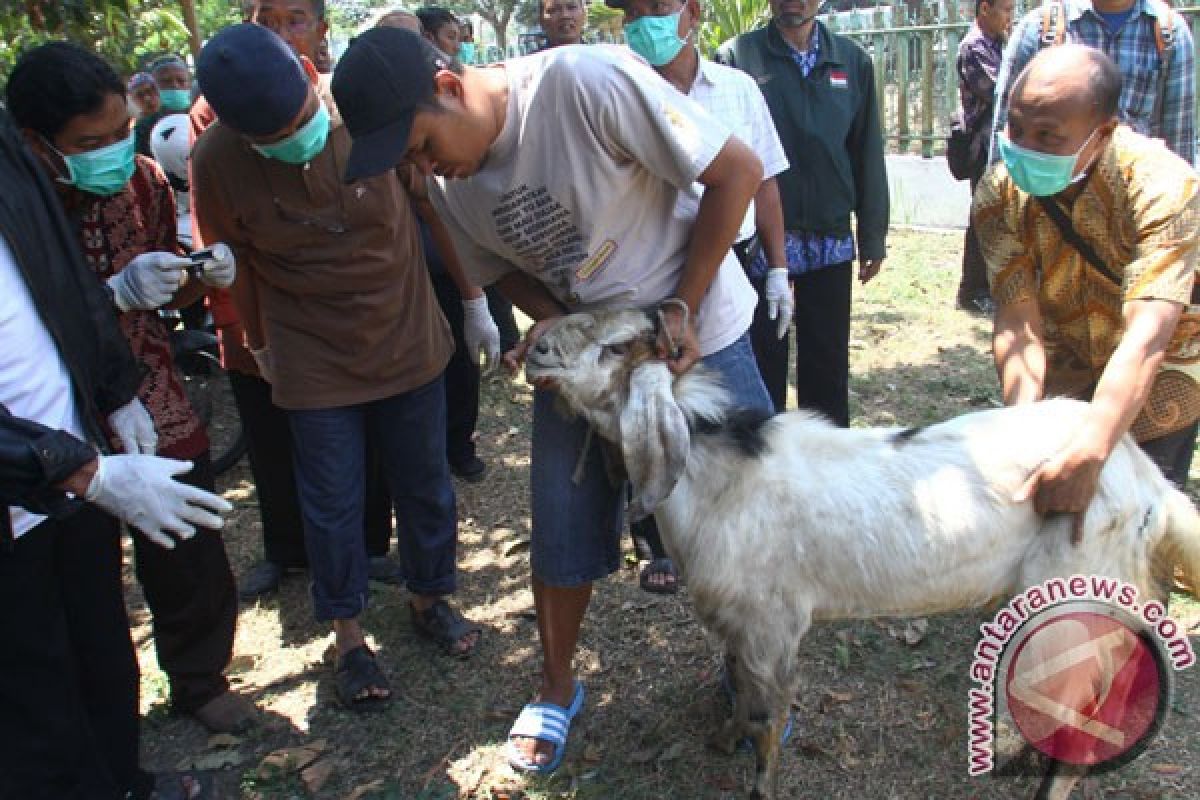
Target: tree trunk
x,y
188,7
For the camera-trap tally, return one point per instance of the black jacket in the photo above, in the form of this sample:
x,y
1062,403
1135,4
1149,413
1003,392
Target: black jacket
x,y
81,320
829,126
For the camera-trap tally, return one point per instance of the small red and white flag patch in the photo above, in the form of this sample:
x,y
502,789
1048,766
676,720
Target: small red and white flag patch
x,y
838,79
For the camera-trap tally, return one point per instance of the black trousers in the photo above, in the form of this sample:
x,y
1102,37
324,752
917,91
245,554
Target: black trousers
x,y
68,672
193,606
269,446
822,321
461,377
974,280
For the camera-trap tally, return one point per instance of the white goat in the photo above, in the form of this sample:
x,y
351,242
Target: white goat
x,y
837,524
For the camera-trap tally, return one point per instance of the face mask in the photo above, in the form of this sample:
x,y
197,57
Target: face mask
x,y
1038,174
466,52
655,39
104,171
302,146
175,99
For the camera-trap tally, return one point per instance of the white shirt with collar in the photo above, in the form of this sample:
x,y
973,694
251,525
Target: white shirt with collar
x,y
733,97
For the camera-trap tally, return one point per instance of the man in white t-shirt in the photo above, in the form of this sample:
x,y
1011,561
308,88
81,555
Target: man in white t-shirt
x,y
565,171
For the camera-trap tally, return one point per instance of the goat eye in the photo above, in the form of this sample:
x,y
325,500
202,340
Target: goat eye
x,y
616,349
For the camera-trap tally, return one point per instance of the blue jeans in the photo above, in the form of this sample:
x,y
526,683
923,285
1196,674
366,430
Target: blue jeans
x,y
577,529
409,431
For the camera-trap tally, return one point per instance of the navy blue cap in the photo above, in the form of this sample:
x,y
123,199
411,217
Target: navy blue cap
x,y
382,78
252,79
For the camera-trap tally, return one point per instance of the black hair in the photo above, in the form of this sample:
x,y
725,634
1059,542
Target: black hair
x,y
318,7
434,18
56,82
1104,83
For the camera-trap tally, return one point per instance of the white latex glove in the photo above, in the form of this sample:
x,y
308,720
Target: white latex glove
x,y
780,303
220,272
142,491
481,333
134,427
266,364
148,281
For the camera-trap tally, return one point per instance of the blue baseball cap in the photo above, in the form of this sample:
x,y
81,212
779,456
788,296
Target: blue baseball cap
x,y
252,79
381,80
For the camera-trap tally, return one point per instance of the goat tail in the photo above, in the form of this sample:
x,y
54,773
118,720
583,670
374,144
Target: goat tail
x,y
1181,542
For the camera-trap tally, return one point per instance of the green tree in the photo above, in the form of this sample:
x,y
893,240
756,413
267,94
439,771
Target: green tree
x,y
125,34
725,19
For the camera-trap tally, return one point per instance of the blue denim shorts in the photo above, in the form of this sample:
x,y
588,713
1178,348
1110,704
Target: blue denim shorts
x,y
577,529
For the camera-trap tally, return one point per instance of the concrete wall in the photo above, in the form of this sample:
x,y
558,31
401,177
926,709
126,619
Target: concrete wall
x,y
924,193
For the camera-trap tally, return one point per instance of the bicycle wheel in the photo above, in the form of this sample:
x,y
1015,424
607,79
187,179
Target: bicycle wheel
x,y
211,396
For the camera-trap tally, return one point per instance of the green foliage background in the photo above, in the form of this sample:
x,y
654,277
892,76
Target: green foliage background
x,y
126,33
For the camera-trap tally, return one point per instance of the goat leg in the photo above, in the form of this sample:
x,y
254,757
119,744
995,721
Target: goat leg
x,y
767,734
1059,781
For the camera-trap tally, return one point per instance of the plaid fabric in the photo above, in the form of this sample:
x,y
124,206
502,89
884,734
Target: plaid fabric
x,y
1134,47
978,65
806,60
1140,212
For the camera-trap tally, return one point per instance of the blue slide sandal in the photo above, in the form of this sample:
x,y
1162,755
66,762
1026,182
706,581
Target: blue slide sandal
x,y
549,723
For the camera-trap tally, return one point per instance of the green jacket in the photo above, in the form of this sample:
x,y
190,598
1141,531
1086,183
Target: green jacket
x,y
829,126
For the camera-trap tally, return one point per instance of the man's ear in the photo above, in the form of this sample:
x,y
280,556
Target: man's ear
x,y
448,84
37,144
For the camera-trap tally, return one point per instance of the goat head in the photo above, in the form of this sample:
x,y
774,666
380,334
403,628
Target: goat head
x,y
605,369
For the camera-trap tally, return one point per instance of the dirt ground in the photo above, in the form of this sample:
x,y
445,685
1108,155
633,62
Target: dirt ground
x,y
882,712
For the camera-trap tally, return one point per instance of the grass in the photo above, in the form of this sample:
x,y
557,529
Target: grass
x,y
877,718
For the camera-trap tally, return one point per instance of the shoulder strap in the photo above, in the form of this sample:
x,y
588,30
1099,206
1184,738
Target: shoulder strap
x,y
1072,237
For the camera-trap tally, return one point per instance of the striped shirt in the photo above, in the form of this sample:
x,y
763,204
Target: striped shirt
x,y
1159,94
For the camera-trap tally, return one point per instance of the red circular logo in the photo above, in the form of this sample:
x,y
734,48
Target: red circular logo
x,y
1086,689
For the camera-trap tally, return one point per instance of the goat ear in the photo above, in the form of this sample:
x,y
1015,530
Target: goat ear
x,y
654,438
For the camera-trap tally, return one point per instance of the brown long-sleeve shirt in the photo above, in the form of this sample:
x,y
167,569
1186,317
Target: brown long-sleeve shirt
x,y
331,276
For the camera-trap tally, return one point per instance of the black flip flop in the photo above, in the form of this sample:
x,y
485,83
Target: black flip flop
x,y
358,670
445,626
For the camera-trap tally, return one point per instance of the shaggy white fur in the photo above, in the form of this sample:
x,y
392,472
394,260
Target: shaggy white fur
x,y
795,519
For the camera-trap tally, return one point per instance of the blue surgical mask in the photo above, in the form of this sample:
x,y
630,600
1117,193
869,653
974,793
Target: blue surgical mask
x,y
466,52
103,171
1035,173
302,146
655,39
175,99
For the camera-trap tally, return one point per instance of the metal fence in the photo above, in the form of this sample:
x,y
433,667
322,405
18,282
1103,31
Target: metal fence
x,y
914,50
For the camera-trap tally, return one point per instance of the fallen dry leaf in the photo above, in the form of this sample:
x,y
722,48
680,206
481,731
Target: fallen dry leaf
x,y
645,755
315,775
593,754
290,759
219,740
359,792
215,759
671,753
1166,769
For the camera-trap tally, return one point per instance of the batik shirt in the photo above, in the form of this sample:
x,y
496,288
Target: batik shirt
x,y
978,64
1140,211
113,231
